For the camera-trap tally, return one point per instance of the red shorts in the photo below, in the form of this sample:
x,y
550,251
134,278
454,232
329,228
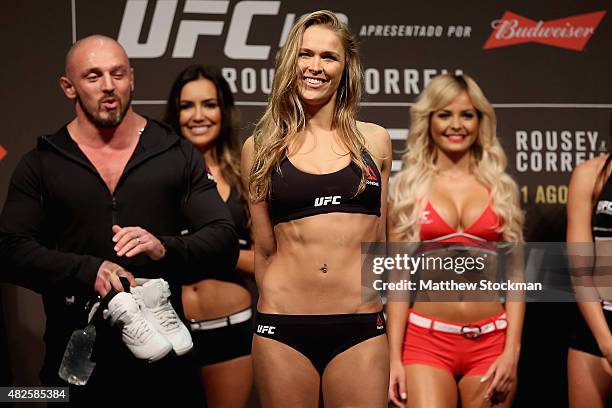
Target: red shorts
x,y
454,352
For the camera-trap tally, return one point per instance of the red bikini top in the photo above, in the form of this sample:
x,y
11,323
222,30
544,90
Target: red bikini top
x,y
435,229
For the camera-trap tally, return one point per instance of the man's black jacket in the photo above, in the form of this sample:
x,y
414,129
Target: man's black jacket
x,y
55,228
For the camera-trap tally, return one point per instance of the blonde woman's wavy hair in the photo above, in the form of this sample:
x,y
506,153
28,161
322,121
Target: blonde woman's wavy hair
x,y
284,117
488,161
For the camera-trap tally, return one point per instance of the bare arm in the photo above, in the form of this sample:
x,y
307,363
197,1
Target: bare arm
x,y
397,319
515,315
581,255
385,173
502,374
515,303
261,227
397,310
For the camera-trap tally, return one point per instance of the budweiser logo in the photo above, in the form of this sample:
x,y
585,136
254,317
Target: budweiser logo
x,y
571,32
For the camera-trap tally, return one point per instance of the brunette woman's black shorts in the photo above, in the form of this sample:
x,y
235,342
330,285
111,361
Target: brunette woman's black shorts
x,y
582,338
222,343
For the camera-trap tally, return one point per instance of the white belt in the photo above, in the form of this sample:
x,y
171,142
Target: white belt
x,y
230,320
469,330
606,305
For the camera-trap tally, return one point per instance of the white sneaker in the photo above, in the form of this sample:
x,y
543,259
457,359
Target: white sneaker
x,y
154,295
137,333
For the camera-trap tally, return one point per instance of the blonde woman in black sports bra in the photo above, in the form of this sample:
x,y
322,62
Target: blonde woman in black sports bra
x,y
317,180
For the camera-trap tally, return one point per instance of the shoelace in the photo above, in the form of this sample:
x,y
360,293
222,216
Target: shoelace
x,y
166,316
137,330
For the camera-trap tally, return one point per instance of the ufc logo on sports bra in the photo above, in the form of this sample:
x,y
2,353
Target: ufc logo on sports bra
x,y
265,329
319,201
604,207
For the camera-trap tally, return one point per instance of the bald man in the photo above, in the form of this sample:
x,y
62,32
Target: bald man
x,y
111,194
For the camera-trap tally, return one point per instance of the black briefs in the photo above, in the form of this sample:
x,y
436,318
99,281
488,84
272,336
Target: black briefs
x,y
216,341
582,338
320,338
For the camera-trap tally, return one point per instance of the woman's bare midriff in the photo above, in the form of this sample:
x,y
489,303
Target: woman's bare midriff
x,y
459,312
210,299
317,266
459,306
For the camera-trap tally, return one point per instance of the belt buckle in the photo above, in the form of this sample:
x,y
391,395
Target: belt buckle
x,y
471,332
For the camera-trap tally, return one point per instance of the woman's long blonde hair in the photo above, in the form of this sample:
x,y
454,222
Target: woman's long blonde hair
x,y
284,117
488,161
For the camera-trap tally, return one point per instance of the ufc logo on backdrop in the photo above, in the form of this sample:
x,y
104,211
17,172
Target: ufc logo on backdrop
x,y
189,30
265,329
320,201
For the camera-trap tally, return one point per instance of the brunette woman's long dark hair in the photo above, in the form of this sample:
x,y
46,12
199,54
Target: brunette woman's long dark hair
x,y
227,145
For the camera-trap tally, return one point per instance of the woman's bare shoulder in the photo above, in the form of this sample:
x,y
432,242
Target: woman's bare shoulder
x,y
377,138
589,169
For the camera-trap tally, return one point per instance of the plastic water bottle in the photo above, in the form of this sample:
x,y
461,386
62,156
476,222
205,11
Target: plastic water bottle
x,y
76,367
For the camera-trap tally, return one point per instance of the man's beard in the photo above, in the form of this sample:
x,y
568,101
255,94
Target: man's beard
x,y
114,117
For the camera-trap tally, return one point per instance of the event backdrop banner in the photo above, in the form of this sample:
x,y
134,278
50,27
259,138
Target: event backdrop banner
x,y
544,65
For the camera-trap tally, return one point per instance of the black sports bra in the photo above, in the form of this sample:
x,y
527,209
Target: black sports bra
x,y
296,194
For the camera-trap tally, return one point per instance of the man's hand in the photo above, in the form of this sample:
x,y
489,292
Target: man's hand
x,y
131,241
108,278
